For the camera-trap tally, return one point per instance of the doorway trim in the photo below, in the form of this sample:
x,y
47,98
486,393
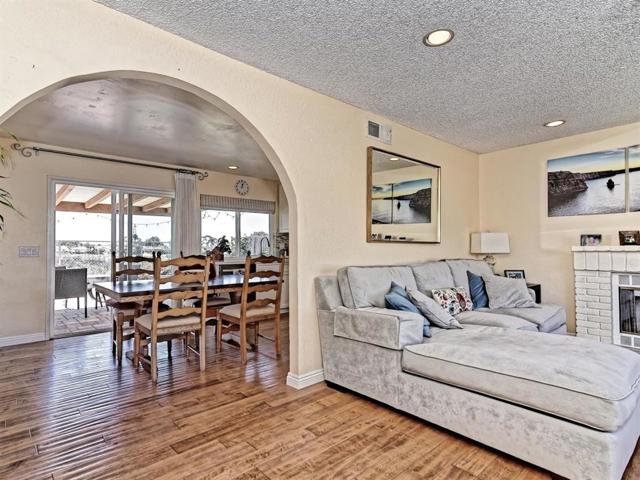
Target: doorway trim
x,y
52,180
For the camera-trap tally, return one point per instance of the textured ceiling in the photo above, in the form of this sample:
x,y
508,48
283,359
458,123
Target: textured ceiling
x,y
513,64
142,120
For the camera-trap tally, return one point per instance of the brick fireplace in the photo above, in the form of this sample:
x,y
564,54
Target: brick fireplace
x,y
607,284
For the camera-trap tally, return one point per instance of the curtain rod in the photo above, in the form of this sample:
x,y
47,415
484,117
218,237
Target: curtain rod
x,y
29,151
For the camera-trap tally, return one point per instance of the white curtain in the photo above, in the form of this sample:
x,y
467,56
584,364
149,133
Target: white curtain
x,y
186,216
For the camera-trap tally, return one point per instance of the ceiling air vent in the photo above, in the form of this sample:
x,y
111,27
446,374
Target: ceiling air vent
x,y
379,132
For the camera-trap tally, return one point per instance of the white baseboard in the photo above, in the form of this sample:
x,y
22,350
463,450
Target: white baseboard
x,y
305,380
20,339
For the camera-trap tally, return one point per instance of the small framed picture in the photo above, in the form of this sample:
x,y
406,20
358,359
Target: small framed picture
x,y
514,274
590,239
629,237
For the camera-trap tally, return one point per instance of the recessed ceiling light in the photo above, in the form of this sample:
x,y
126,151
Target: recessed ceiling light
x,y
437,38
232,167
555,123
393,159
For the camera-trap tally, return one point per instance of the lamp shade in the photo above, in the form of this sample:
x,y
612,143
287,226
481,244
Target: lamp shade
x,y
490,242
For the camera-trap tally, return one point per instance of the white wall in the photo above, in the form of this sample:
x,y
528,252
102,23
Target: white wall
x,y
317,144
513,199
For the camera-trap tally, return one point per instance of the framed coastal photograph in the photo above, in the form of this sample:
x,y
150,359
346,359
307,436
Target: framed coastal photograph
x,y
514,274
629,237
403,199
590,239
588,184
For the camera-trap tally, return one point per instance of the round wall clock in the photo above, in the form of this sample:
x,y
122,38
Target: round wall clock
x,y
242,187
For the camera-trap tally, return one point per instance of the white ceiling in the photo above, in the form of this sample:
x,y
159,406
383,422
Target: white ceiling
x,y
513,64
141,120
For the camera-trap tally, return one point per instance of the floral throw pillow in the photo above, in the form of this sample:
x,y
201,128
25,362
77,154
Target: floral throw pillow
x,y
453,300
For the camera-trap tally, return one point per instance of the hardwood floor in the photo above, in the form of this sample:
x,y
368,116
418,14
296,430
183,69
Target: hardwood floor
x,y
67,412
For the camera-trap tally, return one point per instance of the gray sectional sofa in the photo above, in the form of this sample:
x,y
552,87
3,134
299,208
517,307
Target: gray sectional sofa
x,y
567,404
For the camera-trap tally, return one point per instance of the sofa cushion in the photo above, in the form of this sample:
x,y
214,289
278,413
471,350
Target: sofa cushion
x,y
433,312
366,286
508,292
477,290
547,318
459,269
432,275
490,319
588,382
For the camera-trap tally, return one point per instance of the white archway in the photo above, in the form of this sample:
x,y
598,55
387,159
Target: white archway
x,y
248,126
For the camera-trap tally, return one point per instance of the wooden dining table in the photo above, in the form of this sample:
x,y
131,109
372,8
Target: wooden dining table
x,y
143,290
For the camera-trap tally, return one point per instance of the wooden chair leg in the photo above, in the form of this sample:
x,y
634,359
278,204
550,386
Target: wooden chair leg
x,y
119,339
255,335
202,349
136,347
277,334
154,358
243,342
219,336
186,344
114,335
169,347
85,305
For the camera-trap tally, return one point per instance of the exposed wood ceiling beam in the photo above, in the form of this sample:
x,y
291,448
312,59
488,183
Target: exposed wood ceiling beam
x,y
106,208
97,198
62,193
140,198
160,203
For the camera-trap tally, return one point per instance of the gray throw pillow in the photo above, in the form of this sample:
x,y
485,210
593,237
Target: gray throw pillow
x,y
507,292
436,315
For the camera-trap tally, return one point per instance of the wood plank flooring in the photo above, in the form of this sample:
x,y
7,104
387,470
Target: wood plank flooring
x,y
67,412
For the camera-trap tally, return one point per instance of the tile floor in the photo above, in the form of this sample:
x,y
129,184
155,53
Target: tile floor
x,y
71,321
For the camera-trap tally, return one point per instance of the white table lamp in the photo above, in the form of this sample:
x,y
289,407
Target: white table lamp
x,y
488,243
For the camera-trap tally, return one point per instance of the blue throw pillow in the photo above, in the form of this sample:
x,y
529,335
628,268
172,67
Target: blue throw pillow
x,y
477,290
398,299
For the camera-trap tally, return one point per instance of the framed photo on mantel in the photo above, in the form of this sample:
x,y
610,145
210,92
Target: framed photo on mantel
x,y
403,199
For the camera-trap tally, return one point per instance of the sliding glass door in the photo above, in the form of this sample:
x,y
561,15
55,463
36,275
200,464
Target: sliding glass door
x,y
142,223
91,221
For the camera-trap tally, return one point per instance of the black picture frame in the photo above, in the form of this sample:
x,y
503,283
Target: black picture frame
x,y
514,274
629,237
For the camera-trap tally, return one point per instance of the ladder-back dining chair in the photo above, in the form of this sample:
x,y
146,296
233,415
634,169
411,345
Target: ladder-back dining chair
x,y
249,313
123,313
214,302
191,277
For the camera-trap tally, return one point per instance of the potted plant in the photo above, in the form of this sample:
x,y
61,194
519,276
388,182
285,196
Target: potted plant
x,y
6,201
223,246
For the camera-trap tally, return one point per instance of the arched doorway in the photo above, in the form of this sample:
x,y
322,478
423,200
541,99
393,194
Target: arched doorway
x,y
233,113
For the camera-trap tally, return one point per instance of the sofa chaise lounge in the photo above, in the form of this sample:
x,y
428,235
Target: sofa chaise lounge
x,y
566,404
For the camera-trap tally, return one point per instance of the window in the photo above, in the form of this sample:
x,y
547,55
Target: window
x,y
249,227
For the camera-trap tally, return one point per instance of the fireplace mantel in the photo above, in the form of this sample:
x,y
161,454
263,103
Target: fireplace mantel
x,y
608,248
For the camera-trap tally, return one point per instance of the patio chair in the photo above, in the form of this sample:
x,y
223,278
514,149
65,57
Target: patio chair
x,y
71,283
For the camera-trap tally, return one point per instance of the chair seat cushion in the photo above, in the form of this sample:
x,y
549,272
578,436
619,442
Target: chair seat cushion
x,y
170,324
583,381
547,317
234,311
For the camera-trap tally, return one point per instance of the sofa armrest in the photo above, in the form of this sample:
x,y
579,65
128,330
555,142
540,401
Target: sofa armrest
x,y
383,327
